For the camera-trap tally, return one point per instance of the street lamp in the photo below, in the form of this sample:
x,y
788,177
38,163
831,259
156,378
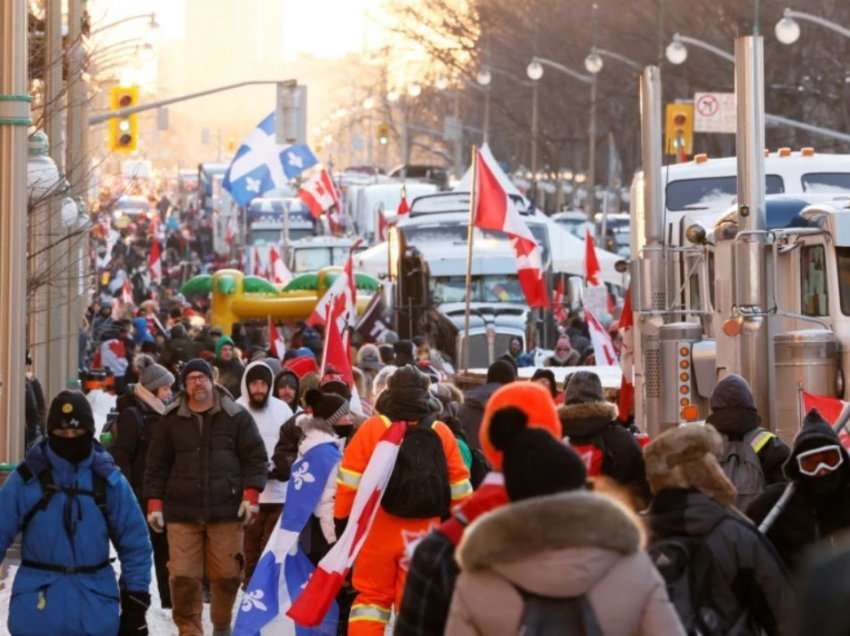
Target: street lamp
x,y
593,62
414,90
677,52
534,70
441,83
484,77
393,96
788,29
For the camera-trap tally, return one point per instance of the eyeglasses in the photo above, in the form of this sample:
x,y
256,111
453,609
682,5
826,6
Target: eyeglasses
x,y
199,378
826,458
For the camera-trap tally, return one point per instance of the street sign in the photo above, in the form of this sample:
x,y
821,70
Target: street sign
x,y
452,128
715,113
291,113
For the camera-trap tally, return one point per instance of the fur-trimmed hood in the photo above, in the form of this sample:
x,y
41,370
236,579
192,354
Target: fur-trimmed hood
x,y
558,545
587,418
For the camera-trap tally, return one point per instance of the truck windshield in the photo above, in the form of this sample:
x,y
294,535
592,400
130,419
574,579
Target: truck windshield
x,y
423,236
308,259
495,288
713,192
299,233
264,237
827,182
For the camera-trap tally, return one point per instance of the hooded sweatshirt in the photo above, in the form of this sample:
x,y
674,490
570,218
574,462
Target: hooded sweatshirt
x,y
295,406
269,419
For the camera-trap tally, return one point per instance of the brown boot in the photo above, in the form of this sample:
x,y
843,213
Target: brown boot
x,y
187,605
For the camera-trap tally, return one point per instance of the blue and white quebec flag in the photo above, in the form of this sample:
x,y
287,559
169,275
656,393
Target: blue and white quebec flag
x,y
283,568
261,164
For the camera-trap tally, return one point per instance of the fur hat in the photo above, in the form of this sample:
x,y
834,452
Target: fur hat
x,y
686,457
531,398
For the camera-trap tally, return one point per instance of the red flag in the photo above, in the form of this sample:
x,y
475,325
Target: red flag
x,y
558,301
603,348
155,262
830,409
336,354
277,344
403,207
344,291
280,274
258,269
382,225
626,400
319,193
495,211
591,263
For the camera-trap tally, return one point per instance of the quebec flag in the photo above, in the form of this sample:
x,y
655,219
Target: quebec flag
x,y
283,569
261,164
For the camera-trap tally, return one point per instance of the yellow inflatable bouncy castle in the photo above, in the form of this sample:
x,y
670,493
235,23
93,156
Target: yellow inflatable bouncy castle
x,y
237,297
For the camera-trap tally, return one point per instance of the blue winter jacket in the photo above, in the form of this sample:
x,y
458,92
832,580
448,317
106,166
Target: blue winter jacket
x,y
72,531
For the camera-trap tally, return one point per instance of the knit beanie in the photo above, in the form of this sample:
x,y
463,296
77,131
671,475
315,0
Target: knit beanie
x,y
533,399
534,463
152,376
328,406
70,409
501,371
196,364
224,340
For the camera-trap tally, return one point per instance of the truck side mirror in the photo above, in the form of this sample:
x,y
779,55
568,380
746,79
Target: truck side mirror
x,y
575,292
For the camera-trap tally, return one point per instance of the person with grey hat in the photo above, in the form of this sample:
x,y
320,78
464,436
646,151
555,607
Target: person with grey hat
x,y
139,410
589,424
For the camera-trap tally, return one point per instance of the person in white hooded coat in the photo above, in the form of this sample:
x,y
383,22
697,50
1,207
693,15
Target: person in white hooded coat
x,y
269,414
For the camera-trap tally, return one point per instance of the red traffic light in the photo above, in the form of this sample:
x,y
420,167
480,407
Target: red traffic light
x,y
125,100
680,119
125,140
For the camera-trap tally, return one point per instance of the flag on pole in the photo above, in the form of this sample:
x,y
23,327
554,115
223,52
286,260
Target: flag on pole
x,y
345,287
603,348
155,263
626,400
494,210
591,263
830,409
403,207
382,224
319,194
257,264
558,308
312,606
284,570
277,343
280,274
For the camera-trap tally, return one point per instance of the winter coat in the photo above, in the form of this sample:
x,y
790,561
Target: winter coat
x,y
286,448
139,411
746,573
472,411
571,360
34,411
230,375
47,602
199,464
295,405
268,420
594,423
178,350
552,546
808,518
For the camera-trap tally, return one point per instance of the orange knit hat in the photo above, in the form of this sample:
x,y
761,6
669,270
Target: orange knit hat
x,y
530,397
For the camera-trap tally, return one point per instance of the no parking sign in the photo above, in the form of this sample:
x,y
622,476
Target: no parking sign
x,y
715,112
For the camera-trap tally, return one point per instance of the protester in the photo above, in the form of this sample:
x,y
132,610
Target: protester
x,y
825,590
723,574
369,360
546,547
589,423
429,476
269,413
287,388
565,355
139,410
34,406
68,501
752,455
475,400
206,467
819,509
433,569
546,378
229,366
404,353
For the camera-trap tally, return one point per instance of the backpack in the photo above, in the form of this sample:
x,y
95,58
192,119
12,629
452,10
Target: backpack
x,y
419,485
547,616
740,462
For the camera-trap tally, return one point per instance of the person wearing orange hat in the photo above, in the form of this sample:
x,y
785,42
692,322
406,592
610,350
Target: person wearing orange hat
x,y
381,566
433,570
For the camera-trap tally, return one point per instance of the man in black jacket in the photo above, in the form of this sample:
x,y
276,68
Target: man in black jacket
x,y
475,400
206,467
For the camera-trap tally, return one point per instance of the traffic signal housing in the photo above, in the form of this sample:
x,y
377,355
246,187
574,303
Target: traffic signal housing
x,y
123,131
383,133
679,130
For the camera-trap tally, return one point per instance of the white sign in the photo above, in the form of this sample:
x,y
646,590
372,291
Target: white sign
x,y
715,113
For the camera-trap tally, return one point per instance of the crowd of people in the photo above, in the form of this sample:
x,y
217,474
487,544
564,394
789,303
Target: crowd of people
x,y
516,506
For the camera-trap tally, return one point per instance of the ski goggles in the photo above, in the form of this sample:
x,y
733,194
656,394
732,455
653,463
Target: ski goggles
x,y
811,462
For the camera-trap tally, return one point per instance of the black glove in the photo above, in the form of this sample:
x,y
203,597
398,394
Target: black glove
x,y
134,605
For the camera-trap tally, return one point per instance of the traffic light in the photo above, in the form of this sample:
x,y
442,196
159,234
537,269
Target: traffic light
x,y
383,134
123,131
679,130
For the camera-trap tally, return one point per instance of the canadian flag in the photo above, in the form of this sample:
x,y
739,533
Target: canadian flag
x,y
591,263
495,211
382,225
280,273
258,268
343,292
277,343
603,348
403,207
558,301
626,400
336,354
318,193
830,409
230,232
155,262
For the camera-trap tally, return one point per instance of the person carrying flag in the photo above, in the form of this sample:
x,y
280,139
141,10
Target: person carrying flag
x,y
413,502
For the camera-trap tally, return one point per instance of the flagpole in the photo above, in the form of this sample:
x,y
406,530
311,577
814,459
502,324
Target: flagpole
x,y
325,348
470,234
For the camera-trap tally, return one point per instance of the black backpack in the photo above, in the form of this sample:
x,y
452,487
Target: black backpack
x,y
547,616
419,484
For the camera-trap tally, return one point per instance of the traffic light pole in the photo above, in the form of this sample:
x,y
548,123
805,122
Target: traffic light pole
x,y
126,112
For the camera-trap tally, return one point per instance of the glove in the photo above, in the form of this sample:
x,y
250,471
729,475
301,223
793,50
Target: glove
x,y
155,519
134,605
249,508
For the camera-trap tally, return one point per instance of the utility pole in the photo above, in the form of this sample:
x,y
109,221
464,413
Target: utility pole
x,y
534,132
591,154
14,120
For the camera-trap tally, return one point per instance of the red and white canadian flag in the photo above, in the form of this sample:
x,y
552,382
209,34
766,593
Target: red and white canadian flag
x,y
155,263
258,268
403,206
603,348
382,225
280,273
342,293
277,343
626,400
558,308
318,193
495,211
591,263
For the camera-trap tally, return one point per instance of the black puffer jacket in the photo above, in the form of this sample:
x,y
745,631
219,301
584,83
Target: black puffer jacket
x,y
199,464
744,574
138,413
472,411
819,509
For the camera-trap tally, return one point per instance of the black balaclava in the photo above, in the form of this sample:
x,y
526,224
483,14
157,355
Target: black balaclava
x,y
70,410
